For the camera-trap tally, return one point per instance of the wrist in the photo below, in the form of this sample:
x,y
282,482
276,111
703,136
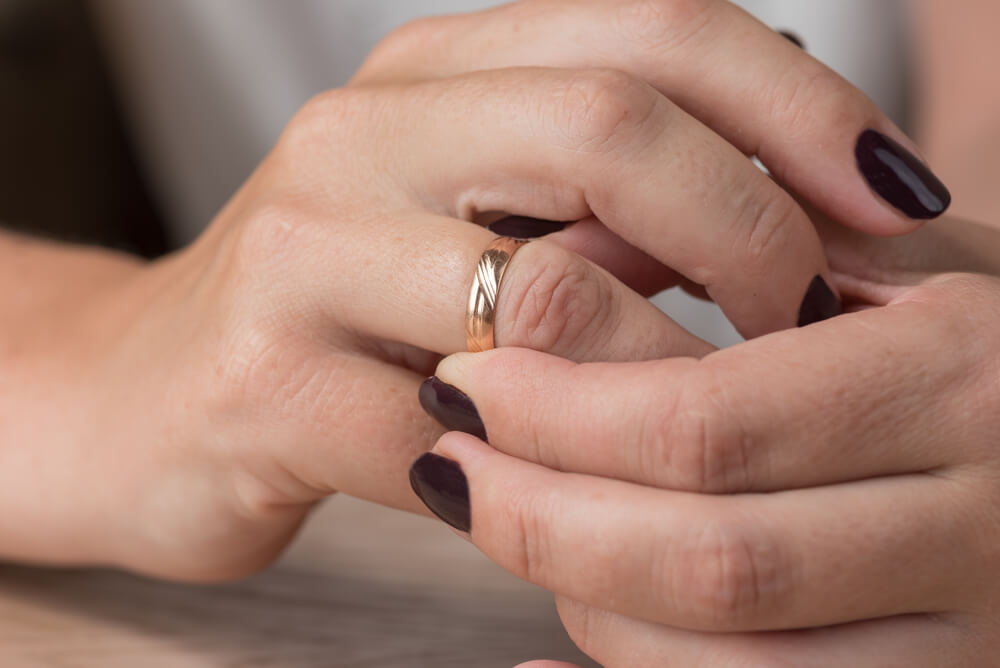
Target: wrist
x,y
63,309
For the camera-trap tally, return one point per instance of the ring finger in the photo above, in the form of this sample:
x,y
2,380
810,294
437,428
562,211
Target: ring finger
x,y
565,145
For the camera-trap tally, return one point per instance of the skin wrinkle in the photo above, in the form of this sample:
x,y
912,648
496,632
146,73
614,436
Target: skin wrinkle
x,y
898,388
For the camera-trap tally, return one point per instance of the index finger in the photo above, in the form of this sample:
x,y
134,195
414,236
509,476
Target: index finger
x,y
818,134
843,400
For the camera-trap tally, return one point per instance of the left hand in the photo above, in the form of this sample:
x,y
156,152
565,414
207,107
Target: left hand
x,y
828,496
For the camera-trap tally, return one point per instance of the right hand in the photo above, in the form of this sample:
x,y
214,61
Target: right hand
x,y
277,359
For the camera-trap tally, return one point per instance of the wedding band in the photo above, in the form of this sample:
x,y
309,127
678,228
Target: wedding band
x,y
481,312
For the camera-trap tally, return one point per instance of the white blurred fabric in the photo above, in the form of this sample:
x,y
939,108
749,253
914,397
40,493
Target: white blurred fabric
x,y
209,84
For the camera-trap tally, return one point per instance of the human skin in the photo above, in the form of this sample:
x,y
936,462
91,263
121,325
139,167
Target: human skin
x,y
817,497
180,418
839,479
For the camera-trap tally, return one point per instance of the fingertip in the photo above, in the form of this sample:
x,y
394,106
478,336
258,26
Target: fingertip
x,y
463,448
459,368
475,372
899,177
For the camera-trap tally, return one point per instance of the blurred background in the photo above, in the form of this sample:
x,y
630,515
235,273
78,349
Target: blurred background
x,y
67,166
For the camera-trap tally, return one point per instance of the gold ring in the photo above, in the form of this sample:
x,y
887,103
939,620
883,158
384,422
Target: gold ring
x,y
481,313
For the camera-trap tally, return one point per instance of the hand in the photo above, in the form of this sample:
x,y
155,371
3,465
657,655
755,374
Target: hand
x,y
717,66
210,399
220,393
207,401
820,497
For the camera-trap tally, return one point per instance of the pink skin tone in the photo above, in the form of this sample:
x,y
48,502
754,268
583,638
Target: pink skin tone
x,y
219,393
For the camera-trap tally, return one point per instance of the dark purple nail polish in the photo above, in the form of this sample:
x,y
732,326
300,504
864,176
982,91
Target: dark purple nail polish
x,y
520,227
793,38
899,177
820,303
443,488
451,407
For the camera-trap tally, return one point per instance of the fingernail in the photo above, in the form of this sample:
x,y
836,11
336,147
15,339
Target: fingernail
x,y
793,38
520,227
899,177
820,303
443,488
451,407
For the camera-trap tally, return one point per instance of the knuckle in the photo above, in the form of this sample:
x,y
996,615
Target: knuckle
x,y
695,444
765,222
659,23
795,98
729,577
246,357
397,49
266,368
260,347
267,238
603,109
556,302
325,120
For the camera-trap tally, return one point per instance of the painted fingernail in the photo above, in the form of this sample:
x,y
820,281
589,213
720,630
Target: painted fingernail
x,y
899,177
820,303
444,489
451,407
793,38
520,227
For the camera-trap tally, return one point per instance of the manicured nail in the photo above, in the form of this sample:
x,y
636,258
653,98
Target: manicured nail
x,y
899,177
443,488
820,303
793,38
451,407
520,227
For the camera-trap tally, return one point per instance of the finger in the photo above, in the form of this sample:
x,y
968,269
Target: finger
x,y
547,664
945,246
916,641
592,240
369,460
750,418
751,85
569,145
715,563
416,279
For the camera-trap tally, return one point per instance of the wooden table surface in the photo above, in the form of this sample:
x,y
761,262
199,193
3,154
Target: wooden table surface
x,y
363,587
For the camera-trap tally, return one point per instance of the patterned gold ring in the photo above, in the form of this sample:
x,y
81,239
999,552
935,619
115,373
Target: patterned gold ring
x,y
481,312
